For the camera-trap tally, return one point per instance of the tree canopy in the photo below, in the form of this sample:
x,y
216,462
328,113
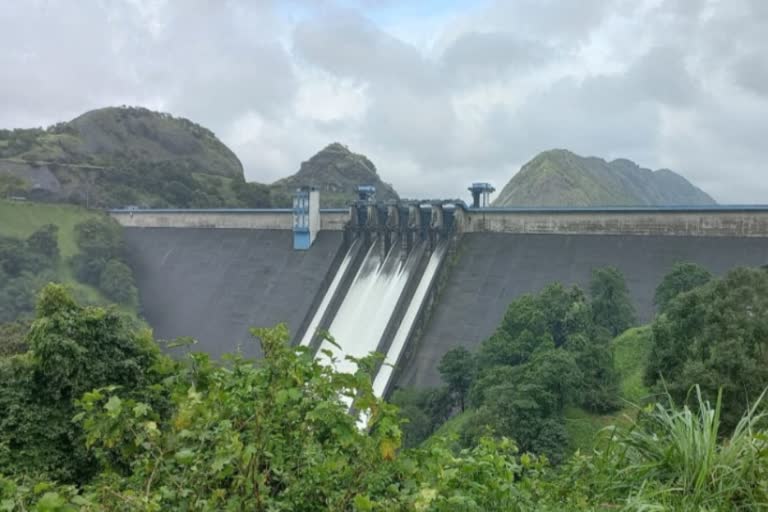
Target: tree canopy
x,y
71,350
682,278
94,418
611,305
715,336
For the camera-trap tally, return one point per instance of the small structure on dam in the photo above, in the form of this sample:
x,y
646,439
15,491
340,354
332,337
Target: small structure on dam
x,y
409,279
306,217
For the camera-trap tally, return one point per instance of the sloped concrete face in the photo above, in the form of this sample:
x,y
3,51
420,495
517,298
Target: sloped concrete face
x,y
493,269
214,284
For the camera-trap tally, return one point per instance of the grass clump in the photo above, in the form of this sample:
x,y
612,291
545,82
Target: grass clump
x,y
673,458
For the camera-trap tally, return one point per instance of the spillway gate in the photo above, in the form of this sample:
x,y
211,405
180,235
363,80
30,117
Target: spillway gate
x,y
393,252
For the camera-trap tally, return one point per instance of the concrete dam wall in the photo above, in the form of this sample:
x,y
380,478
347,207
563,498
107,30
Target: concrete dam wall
x,y
492,269
213,275
214,284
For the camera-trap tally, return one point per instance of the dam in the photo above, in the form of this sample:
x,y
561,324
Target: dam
x,y
409,280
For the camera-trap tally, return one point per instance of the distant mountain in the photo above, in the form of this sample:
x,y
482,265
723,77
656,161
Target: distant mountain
x,y
336,172
562,178
117,156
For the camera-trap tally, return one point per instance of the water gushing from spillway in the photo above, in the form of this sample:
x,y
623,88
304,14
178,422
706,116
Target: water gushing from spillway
x,y
384,374
329,294
373,295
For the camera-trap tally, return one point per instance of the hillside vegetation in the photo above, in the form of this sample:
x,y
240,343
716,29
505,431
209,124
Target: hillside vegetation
x,y
119,156
560,178
336,172
21,220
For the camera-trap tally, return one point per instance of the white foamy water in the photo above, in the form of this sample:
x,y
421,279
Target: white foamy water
x,y
363,315
323,307
403,331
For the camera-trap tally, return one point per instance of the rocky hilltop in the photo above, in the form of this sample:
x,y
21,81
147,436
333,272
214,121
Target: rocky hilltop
x,y
336,172
561,178
127,155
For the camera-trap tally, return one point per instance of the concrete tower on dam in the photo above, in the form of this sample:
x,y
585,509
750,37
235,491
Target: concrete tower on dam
x,y
410,280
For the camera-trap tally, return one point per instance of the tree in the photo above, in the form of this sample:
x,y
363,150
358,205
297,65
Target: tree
x,y
99,238
88,268
457,368
552,342
100,260
682,278
13,338
715,336
611,306
252,195
273,436
71,350
116,281
598,390
423,410
13,259
45,241
525,412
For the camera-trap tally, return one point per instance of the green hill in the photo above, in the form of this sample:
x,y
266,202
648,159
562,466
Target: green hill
x,y
336,172
21,219
118,156
562,178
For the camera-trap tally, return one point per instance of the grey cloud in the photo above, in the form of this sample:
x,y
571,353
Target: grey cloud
x,y
752,73
676,83
475,56
662,75
345,43
564,22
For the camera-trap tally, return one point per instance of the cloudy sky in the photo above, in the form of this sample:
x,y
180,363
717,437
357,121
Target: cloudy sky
x,y
437,93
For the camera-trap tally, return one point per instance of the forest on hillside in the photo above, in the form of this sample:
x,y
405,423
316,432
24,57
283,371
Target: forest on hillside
x,y
96,417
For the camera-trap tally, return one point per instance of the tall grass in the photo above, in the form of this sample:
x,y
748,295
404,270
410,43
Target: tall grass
x,y
675,458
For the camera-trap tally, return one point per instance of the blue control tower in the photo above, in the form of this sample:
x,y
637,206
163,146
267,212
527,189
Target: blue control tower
x,y
306,217
481,193
366,193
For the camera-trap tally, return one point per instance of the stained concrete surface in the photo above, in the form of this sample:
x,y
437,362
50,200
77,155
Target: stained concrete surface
x,y
493,269
214,284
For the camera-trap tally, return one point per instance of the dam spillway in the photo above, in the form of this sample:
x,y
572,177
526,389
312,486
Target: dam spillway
x,y
359,324
410,281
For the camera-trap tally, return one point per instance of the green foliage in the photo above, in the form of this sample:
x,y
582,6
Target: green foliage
x,y
72,350
457,368
279,435
45,242
611,306
252,195
423,411
548,353
676,459
682,278
25,265
99,238
13,338
273,437
715,336
100,260
116,281
630,355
